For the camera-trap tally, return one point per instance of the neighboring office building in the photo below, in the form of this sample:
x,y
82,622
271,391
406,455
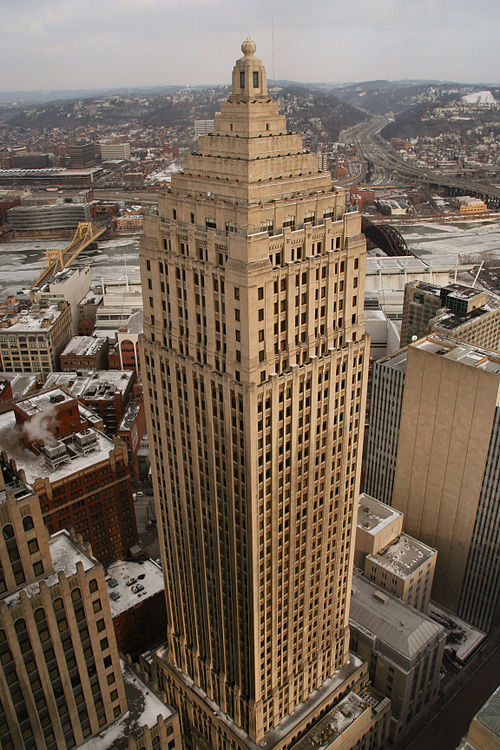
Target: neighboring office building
x,y
81,477
471,315
255,405
381,441
81,156
30,161
106,393
484,730
137,600
87,310
128,222
71,284
62,680
85,353
112,151
447,481
403,647
53,217
120,300
394,561
32,339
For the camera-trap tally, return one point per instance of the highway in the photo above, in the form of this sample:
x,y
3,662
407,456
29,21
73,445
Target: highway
x,y
389,166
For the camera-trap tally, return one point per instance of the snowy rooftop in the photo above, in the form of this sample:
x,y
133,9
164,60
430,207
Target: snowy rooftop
x,y
39,403
399,629
98,384
121,597
35,320
65,554
21,382
374,515
143,710
84,346
466,354
404,556
338,720
130,415
36,466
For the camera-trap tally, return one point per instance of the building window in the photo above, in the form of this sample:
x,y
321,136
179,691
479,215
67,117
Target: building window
x,y
255,79
242,79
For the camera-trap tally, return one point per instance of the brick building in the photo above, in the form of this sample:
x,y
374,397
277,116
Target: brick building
x,y
137,599
81,476
85,353
106,393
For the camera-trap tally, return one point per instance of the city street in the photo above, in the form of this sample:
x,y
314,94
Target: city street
x,y
144,512
445,730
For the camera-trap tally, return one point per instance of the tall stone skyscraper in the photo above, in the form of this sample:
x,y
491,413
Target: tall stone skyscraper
x,y
255,361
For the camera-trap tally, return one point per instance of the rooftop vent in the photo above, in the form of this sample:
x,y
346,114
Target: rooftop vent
x,y
381,598
86,442
56,454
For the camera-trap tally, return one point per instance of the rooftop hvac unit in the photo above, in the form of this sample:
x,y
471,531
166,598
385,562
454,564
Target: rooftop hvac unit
x,y
86,442
56,454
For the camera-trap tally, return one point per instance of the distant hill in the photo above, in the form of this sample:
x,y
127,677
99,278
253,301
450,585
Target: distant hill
x,y
178,107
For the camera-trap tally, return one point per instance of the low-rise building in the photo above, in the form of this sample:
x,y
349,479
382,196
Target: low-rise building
x,y
71,284
403,648
85,353
111,151
396,562
106,392
137,600
31,340
81,477
49,218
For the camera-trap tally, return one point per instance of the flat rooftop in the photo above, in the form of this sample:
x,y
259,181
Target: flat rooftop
x,y
36,465
373,515
130,415
121,597
489,714
34,320
338,720
84,346
397,627
404,556
39,403
22,382
466,354
144,708
65,554
98,384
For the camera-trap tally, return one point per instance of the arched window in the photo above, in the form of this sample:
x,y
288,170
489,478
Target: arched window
x,y
39,614
20,625
76,594
8,531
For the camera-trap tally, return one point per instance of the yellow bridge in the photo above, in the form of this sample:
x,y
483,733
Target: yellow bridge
x,y
55,260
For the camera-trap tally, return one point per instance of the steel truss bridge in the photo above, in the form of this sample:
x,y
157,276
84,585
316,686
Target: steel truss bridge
x,y
385,237
87,232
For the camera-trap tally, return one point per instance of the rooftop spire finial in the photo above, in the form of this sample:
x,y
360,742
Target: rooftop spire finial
x,y
248,47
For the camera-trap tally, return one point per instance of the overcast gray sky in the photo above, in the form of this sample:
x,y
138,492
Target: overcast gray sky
x,y
106,43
